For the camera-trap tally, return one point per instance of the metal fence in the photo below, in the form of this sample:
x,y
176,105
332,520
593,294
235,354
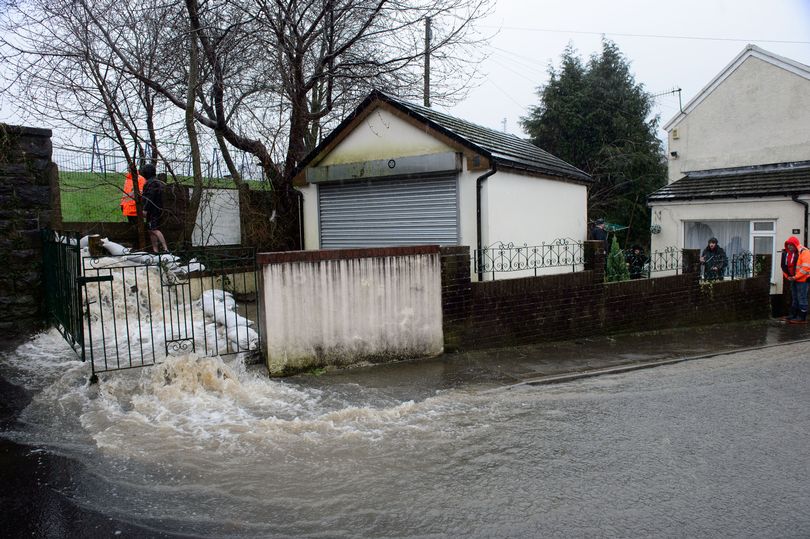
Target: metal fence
x,y
134,309
507,257
504,258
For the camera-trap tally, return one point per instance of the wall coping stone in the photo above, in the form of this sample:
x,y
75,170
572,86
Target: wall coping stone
x,y
343,254
24,130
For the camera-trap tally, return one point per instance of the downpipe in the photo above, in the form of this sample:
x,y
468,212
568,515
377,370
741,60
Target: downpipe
x,y
795,198
479,183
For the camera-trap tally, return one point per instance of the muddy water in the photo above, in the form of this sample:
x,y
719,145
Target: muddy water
x,y
204,447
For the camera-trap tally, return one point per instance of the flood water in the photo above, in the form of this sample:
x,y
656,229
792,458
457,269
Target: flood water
x,y
204,447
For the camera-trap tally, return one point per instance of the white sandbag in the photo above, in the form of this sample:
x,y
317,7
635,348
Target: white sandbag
x,y
115,249
243,338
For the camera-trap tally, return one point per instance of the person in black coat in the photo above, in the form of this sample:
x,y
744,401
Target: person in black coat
x,y
714,261
599,233
636,259
153,206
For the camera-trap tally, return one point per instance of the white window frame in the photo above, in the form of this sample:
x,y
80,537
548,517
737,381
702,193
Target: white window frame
x,y
768,234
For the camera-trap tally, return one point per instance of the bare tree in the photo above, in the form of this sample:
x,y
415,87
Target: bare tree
x,y
273,73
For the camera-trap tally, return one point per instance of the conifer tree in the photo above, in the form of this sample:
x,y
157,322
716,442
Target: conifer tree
x,y
597,118
616,266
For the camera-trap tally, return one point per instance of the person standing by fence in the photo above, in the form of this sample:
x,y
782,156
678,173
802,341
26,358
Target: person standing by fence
x,y
796,269
714,261
128,206
153,207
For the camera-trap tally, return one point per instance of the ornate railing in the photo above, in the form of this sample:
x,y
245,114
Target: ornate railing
x,y
503,257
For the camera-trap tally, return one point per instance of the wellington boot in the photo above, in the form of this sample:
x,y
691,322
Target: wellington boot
x,y
791,315
800,318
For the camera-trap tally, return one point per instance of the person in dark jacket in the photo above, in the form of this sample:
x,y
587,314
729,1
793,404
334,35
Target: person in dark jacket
x,y
714,261
153,206
636,259
599,233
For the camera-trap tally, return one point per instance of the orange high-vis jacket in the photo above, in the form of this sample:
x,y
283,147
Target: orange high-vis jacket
x,y
128,198
803,265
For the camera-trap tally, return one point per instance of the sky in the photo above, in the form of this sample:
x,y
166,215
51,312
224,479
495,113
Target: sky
x,y
681,44
653,36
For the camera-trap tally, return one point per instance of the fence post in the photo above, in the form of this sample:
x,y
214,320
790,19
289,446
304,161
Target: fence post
x,y
594,258
691,260
762,266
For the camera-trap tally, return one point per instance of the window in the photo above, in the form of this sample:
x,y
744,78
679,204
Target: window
x,y
735,237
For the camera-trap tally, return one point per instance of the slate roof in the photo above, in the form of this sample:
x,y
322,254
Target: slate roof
x,y
503,149
781,179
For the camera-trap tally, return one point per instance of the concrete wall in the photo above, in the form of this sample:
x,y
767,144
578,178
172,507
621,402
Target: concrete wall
x,y
26,176
758,114
342,307
559,307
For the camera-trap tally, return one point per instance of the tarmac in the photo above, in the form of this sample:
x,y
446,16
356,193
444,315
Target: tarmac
x,y
563,361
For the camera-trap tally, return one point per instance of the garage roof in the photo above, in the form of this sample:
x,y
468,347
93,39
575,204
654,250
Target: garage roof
x,y
505,150
780,179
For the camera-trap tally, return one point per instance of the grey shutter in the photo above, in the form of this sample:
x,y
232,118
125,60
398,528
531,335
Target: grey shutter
x,y
385,212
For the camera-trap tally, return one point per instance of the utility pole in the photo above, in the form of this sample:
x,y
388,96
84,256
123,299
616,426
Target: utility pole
x,y
503,123
427,62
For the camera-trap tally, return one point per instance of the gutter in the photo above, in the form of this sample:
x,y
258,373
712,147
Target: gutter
x,y
479,183
795,198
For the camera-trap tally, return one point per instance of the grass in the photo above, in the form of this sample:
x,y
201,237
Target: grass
x,y
96,197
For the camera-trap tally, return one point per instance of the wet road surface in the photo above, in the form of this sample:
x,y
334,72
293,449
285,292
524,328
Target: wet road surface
x,y
714,447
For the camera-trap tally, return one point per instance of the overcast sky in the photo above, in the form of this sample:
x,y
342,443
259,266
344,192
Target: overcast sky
x,y
681,44
652,34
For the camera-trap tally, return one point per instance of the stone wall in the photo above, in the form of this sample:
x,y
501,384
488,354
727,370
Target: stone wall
x,y
566,306
26,176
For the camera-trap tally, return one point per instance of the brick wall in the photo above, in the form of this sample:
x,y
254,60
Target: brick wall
x,y
558,307
26,174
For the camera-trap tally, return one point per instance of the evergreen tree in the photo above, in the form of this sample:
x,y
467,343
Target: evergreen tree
x,y
616,266
595,117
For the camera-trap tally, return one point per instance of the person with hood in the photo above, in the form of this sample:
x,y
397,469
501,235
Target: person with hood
x,y
153,206
796,269
635,262
714,261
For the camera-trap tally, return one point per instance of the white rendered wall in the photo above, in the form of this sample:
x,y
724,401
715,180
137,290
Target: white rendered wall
x,y
532,211
312,232
787,214
381,135
218,221
345,311
759,114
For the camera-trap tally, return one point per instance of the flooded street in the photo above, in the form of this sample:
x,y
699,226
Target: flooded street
x,y
204,447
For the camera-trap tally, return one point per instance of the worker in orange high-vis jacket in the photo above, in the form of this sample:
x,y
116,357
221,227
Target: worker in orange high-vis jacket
x,y
128,207
796,269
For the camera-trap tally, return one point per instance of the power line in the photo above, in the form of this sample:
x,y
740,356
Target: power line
x,y
654,36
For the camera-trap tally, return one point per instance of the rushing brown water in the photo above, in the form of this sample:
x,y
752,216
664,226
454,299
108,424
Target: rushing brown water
x,y
204,447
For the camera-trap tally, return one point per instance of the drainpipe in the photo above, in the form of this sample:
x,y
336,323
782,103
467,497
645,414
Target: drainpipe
x,y
479,183
300,197
795,198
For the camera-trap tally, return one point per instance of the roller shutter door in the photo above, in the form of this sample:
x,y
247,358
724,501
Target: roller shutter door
x,y
384,212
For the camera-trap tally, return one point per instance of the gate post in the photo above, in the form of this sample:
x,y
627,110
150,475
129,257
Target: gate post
x,y
26,172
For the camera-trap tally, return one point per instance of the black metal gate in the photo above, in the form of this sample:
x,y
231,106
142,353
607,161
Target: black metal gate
x,y
134,309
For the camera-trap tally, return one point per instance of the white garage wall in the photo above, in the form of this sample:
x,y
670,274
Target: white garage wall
x,y
218,220
532,211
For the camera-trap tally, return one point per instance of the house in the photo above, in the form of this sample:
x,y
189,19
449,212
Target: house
x,y
395,173
739,161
